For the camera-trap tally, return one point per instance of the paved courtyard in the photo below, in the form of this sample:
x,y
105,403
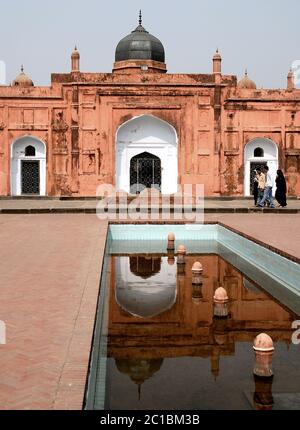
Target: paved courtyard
x,y
49,280
50,268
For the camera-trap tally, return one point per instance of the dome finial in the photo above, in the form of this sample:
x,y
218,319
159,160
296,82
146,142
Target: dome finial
x,y
246,82
140,17
22,80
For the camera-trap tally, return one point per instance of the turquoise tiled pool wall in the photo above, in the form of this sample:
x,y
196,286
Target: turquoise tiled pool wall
x,y
153,238
257,261
254,260
159,232
159,246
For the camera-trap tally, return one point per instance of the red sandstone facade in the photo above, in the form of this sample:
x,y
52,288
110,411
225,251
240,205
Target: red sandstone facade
x,y
78,117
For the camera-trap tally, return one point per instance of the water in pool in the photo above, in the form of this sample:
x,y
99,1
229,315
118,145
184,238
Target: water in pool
x,y
167,348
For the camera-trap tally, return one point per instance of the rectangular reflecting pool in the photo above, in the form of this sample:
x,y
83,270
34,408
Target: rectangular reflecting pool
x,y
162,342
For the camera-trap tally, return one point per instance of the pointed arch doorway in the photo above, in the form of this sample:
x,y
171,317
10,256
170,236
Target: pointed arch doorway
x,y
28,167
259,152
148,144
145,172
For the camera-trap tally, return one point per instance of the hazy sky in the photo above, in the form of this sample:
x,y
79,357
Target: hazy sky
x,y
262,35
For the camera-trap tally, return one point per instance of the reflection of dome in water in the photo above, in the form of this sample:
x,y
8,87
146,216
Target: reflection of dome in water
x,y
146,301
145,267
145,286
221,338
139,370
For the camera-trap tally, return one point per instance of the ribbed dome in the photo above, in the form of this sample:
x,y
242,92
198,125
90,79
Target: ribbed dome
x,y
140,45
22,80
246,83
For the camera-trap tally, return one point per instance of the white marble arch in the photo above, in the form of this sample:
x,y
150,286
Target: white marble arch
x,y
18,154
270,157
146,133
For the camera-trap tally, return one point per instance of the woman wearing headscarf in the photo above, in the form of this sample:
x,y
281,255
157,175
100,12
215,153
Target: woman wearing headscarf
x,y
255,187
280,194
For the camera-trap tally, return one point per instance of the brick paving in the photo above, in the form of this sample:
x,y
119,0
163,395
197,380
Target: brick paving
x,y
50,268
49,279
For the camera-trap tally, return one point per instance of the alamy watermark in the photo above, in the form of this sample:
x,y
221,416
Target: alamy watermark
x,y
296,334
187,204
2,333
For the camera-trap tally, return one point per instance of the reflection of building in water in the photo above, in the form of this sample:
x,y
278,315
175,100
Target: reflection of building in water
x,y
186,327
263,398
144,266
145,285
139,370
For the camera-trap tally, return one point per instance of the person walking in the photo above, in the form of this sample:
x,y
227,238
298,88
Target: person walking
x,y
280,194
255,187
261,184
268,190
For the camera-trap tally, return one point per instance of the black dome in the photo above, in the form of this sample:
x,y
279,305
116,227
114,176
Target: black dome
x,y
140,45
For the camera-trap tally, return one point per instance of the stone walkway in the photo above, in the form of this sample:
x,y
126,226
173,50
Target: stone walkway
x,y
50,267
49,280
23,205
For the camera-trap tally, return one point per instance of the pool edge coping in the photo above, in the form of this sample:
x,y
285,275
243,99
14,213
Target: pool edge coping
x,y
72,385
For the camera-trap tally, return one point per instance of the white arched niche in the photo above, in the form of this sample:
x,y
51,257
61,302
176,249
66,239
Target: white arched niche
x,y
27,149
147,133
145,297
259,151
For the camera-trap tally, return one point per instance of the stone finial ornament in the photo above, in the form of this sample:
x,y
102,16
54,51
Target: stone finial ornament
x,y
221,302
220,295
181,253
171,242
264,350
197,269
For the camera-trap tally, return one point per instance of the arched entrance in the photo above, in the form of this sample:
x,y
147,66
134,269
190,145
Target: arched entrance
x,y
146,146
28,167
259,152
145,172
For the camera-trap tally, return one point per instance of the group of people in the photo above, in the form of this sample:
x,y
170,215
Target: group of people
x,y
263,185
